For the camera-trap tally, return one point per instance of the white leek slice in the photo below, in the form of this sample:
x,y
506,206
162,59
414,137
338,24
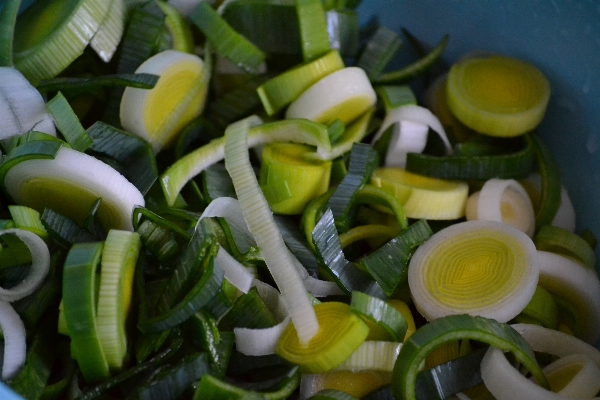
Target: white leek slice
x,y
503,200
70,184
158,114
483,268
507,383
234,271
573,376
22,108
15,347
260,221
344,94
372,355
413,123
577,284
40,265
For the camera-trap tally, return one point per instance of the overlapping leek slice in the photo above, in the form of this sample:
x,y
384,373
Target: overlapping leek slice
x,y
422,196
484,268
347,385
497,96
158,114
343,95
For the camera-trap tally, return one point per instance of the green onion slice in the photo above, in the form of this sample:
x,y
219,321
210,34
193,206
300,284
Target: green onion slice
x,y
489,269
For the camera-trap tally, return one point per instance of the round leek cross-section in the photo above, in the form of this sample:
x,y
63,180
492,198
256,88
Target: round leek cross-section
x,y
158,114
70,183
497,96
341,332
289,180
343,95
480,268
422,196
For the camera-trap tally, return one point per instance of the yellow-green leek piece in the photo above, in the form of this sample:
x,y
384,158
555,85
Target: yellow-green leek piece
x,y
341,333
484,268
497,95
289,180
557,240
28,219
422,196
542,309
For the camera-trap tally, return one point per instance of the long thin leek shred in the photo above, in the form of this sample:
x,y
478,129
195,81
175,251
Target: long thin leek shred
x,y
76,85
331,257
388,265
363,160
68,123
8,18
379,51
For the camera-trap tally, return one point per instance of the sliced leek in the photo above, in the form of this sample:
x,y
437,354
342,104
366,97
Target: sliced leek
x,y
158,114
556,240
343,95
13,331
483,268
372,356
574,376
109,33
497,95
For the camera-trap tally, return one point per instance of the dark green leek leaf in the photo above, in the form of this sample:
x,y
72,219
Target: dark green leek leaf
x,y
551,185
68,123
218,345
195,134
213,388
294,240
394,96
216,182
331,394
314,39
64,230
343,29
140,81
13,252
8,18
32,308
379,51
249,311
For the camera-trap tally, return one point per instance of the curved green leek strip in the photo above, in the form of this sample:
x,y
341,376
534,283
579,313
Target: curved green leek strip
x,y
556,240
79,304
551,186
415,68
370,194
68,123
341,332
313,29
379,51
380,312
363,232
454,327
8,17
505,166
28,219
313,213
212,388
542,308
298,131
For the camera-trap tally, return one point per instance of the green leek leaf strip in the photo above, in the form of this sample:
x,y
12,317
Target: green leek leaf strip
x,y
331,394
64,230
370,194
379,51
80,302
296,243
212,388
160,242
27,218
260,222
331,256
8,18
453,327
135,154
506,166
217,344
226,41
33,377
314,39
381,313
363,160
197,133
216,182
542,308
173,381
109,33
44,52
280,91
184,169
394,96
416,68
194,283
355,132
343,28
68,123
335,130
551,186
556,240
249,311
174,344
34,307
388,265
13,252
141,213
140,81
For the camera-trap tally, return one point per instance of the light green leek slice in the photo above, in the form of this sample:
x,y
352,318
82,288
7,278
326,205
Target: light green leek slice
x,y
289,181
28,219
63,29
80,299
70,183
431,335
341,332
556,240
422,196
109,33
497,96
313,29
380,313
489,269
119,257
394,96
68,123
178,28
542,308
344,94
280,91
298,131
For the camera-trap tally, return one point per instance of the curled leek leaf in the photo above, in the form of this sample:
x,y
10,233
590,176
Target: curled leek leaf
x,y
483,268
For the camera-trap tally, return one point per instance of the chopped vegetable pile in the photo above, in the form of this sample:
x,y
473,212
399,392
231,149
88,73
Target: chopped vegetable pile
x,y
252,200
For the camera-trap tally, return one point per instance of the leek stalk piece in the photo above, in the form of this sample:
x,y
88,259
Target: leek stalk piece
x,y
497,96
556,240
372,355
28,219
377,312
379,51
109,33
542,308
574,376
341,332
68,123
345,385
313,29
260,221
8,18
489,269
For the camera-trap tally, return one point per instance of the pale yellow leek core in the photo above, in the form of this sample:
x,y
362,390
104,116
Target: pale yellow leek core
x,y
484,268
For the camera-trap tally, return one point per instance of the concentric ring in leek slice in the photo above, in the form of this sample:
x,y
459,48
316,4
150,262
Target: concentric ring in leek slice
x,y
423,196
574,376
49,35
158,114
343,95
497,96
341,332
483,268
70,183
